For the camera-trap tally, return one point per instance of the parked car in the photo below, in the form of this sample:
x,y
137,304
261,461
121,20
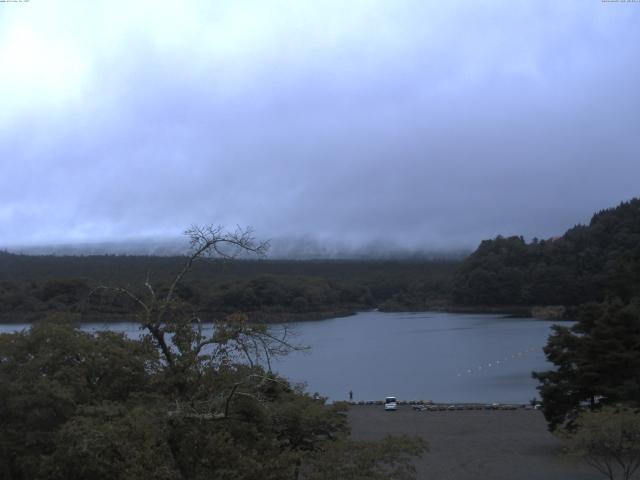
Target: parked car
x,y
390,403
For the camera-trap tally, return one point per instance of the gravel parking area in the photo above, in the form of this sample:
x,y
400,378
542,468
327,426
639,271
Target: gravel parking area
x,y
471,445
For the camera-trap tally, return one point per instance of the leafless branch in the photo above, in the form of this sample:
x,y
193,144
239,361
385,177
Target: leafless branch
x,y
147,284
123,291
207,241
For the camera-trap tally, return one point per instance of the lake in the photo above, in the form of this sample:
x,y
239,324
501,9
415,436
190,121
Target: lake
x,y
444,357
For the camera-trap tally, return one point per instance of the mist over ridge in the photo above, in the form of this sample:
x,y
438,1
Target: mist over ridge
x,y
300,248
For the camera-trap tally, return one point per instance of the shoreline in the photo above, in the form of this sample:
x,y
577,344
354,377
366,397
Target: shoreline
x,y
430,406
261,317
254,317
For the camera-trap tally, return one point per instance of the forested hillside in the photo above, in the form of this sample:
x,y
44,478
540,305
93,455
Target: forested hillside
x,y
588,263
32,286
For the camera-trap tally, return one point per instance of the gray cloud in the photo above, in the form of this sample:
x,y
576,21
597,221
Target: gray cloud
x,y
412,124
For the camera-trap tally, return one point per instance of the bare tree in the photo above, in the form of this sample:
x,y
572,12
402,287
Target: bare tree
x,y
165,315
191,355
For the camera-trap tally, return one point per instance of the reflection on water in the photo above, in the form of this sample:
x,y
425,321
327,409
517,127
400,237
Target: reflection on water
x,y
430,356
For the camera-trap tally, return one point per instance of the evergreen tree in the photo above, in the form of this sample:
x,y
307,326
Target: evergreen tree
x,y
588,263
597,360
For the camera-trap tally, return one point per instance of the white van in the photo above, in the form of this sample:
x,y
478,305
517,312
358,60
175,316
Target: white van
x,y
390,403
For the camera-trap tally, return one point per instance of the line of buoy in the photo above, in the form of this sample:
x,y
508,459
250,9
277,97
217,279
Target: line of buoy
x,y
498,362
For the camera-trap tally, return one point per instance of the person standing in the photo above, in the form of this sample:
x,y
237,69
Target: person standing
x,y
350,396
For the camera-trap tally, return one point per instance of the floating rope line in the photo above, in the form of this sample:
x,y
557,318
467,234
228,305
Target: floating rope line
x,y
497,363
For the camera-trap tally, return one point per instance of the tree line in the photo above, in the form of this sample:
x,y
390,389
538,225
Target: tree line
x,y
267,290
588,263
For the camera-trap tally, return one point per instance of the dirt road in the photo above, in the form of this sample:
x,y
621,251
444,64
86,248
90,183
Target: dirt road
x,y
476,445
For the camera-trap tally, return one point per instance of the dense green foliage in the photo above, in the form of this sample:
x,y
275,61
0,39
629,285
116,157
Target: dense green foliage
x,y
609,439
75,405
586,264
175,404
597,362
31,286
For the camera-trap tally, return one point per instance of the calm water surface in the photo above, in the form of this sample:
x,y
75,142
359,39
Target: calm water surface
x,y
432,356
437,356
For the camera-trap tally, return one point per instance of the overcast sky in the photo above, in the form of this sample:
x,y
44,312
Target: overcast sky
x,y
424,124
